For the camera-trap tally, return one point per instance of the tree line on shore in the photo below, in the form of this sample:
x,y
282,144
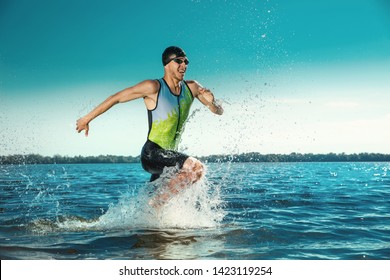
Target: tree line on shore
x,y
297,157
245,157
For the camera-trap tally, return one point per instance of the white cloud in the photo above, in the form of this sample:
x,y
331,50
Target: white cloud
x,y
343,105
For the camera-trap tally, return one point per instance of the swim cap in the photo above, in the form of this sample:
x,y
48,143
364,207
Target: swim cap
x,y
172,50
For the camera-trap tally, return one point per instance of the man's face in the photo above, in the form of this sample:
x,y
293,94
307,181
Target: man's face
x,y
178,66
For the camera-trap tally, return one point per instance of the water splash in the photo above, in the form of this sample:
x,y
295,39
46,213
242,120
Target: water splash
x,y
198,206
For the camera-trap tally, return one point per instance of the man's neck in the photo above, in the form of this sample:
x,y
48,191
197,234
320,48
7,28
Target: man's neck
x,y
174,84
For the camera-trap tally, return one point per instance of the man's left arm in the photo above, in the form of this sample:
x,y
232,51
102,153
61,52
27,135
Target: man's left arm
x,y
206,97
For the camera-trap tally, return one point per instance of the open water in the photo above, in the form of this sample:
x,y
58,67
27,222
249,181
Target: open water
x,y
242,211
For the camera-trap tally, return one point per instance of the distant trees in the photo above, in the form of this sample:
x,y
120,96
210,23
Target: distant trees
x,y
38,159
246,157
296,157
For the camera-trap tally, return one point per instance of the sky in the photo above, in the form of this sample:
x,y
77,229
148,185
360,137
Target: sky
x,y
293,76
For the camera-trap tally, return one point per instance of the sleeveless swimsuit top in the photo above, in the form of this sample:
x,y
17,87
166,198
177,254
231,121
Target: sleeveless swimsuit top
x,y
167,119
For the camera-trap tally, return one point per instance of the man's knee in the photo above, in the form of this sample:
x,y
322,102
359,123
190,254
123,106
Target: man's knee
x,y
195,167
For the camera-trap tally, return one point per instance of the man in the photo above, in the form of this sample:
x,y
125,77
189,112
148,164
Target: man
x,y
168,101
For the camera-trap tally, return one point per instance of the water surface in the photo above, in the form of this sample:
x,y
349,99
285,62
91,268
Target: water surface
x,y
241,211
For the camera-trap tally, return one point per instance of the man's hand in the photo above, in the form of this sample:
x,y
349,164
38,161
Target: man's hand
x,y
82,124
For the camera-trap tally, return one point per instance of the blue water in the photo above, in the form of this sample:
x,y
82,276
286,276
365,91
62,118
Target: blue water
x,y
241,211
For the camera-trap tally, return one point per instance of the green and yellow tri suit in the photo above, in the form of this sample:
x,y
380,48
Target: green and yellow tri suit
x,y
166,124
166,121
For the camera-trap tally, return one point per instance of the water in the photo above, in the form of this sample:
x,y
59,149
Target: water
x,y
243,211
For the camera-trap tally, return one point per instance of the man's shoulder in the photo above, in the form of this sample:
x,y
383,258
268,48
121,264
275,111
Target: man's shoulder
x,y
151,85
193,85
191,82
151,82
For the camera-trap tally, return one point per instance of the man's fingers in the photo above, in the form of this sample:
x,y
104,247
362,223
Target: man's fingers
x,y
80,126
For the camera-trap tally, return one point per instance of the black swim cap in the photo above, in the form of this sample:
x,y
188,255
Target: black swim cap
x,y
166,56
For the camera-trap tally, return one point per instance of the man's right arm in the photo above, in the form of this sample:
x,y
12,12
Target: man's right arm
x,y
144,89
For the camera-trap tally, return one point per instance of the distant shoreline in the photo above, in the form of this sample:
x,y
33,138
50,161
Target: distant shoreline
x,y
244,157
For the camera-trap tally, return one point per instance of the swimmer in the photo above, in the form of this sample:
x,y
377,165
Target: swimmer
x,y
168,101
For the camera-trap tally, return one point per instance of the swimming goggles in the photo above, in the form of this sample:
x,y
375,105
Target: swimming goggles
x,y
179,60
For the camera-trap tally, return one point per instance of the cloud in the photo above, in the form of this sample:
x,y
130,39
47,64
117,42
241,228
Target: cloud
x,y
343,104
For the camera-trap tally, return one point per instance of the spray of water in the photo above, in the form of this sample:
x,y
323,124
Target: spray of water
x,y
197,206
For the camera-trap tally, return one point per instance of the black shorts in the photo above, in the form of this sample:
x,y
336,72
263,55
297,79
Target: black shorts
x,y
154,159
